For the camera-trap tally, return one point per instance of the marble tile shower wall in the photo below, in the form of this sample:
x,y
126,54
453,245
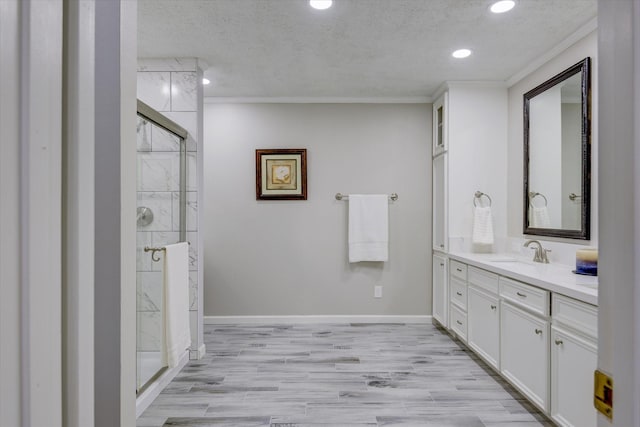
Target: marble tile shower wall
x,y
173,91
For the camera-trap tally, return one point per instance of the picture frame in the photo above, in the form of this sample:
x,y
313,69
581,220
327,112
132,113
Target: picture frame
x,y
281,174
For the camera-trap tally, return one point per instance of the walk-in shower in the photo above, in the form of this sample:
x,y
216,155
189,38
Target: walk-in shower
x,y
161,220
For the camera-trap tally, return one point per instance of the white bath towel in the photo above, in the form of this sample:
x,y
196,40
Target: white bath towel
x,y
368,227
482,226
540,217
176,303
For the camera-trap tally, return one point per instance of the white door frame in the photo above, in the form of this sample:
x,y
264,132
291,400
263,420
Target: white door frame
x,y
47,219
619,205
31,215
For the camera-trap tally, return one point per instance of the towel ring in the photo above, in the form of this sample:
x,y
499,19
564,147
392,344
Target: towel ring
x,y
478,195
533,195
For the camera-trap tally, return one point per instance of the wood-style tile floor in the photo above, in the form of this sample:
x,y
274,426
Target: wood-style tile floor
x,y
338,375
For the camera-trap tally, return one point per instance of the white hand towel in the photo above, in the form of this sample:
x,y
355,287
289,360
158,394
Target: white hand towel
x,y
540,217
482,226
368,227
176,303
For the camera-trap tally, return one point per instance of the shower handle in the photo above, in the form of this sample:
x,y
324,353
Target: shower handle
x,y
145,216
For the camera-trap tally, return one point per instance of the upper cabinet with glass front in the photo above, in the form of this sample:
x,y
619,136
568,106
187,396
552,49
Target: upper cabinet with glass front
x,y
557,155
440,121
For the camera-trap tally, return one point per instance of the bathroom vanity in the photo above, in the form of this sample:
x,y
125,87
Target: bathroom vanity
x,y
535,324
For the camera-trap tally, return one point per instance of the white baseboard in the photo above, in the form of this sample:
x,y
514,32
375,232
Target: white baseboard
x,y
144,400
247,320
198,354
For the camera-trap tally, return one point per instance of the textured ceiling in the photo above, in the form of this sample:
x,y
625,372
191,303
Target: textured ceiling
x,y
357,48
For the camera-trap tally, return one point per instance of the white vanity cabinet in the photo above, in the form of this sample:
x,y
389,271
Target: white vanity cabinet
x,y
483,315
524,355
543,342
440,290
524,338
458,299
573,361
439,220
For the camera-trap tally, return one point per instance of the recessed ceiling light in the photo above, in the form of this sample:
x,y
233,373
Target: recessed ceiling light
x,y
205,81
461,53
320,4
502,6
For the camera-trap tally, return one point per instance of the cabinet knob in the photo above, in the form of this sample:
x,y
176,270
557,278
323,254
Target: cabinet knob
x,y
459,322
493,307
442,246
538,331
559,342
442,264
459,294
459,269
521,295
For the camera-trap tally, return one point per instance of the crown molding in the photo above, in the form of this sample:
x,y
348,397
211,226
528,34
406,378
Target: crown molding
x,y
318,100
581,33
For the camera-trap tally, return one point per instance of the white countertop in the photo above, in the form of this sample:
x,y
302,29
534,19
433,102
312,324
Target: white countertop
x,y
553,277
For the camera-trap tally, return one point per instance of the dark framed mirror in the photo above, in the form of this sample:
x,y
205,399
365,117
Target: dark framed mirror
x,y
557,155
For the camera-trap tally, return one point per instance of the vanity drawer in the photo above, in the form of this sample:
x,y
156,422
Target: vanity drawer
x,y
458,269
527,296
458,292
483,279
458,322
576,314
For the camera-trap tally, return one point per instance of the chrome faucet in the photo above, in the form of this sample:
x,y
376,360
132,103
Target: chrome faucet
x,y
540,254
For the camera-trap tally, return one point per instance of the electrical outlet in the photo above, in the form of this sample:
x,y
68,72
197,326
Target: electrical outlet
x,y
377,292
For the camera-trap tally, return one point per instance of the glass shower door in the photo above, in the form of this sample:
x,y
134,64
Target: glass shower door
x,y
161,172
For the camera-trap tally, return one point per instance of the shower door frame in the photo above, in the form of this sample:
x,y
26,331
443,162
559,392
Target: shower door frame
x,y
158,119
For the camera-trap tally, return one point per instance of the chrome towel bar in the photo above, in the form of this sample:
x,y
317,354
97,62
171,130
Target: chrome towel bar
x,y
339,196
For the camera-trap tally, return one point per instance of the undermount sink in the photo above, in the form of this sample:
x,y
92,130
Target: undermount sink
x,y
503,259
512,261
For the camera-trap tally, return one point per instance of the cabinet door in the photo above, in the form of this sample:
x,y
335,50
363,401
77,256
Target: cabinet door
x,y
458,322
524,352
573,361
440,123
458,292
440,203
440,294
483,325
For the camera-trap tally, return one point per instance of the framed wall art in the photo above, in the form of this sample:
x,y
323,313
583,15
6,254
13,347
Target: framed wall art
x,y
281,174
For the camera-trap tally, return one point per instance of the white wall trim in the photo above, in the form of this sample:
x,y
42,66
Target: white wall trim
x,y
448,84
582,32
11,358
78,215
324,319
144,400
127,28
475,84
318,100
201,351
40,138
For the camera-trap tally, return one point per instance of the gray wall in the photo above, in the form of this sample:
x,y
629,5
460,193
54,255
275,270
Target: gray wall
x,y
290,257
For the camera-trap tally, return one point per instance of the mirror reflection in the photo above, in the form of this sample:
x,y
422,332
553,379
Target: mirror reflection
x,y
557,152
